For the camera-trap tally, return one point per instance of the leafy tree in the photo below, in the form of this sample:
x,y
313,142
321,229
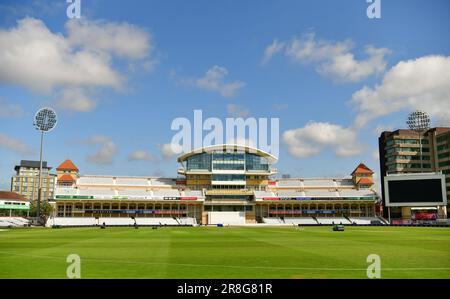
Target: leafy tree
x,y
46,209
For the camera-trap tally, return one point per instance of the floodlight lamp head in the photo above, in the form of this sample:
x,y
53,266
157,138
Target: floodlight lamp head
x,y
418,121
45,119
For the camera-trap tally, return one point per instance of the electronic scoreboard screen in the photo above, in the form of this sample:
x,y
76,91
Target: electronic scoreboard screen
x,y
415,190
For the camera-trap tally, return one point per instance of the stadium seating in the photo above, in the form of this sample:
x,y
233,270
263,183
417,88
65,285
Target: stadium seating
x,y
193,193
162,182
166,221
124,181
66,191
93,180
356,193
187,221
289,183
289,220
166,193
344,183
262,194
290,193
72,221
325,183
98,192
365,220
115,221
273,220
225,218
137,193
321,193
301,221
13,222
331,220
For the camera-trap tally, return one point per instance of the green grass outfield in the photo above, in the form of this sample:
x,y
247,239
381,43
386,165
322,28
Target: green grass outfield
x,y
228,252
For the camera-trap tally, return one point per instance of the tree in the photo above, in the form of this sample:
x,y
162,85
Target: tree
x,y
46,209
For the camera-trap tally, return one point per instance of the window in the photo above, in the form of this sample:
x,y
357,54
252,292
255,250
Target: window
x,y
255,162
200,161
401,166
228,177
444,155
406,157
443,138
445,163
443,147
228,161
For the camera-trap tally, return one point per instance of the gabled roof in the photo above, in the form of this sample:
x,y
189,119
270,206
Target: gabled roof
x,y
12,196
365,181
66,178
67,165
362,169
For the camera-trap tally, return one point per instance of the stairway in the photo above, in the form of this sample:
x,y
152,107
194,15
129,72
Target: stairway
x,y
384,221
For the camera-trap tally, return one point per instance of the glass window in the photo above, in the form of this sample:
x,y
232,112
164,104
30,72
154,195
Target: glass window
x,y
255,162
228,160
200,161
444,155
228,177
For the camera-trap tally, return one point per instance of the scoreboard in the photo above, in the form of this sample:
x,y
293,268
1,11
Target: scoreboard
x,y
421,189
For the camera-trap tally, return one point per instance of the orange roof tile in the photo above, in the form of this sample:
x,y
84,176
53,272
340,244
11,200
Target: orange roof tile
x,y
67,165
66,178
362,169
365,181
11,196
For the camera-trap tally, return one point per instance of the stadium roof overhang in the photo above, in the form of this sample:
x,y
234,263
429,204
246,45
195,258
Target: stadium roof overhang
x,y
229,147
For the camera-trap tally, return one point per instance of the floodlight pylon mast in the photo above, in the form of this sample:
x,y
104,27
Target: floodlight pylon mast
x,y
44,121
38,206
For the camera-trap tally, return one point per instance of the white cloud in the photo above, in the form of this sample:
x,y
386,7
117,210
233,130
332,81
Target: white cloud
x,y
333,60
272,49
36,58
14,145
121,39
317,136
422,83
75,99
66,66
169,150
106,152
214,81
9,110
140,155
237,111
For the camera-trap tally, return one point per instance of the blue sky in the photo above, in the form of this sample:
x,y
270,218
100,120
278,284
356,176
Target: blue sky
x,y
332,71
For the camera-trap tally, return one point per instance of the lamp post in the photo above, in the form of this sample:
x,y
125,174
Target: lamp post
x,y
419,122
44,120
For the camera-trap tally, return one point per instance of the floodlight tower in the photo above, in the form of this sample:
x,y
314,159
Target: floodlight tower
x,y
419,122
44,120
